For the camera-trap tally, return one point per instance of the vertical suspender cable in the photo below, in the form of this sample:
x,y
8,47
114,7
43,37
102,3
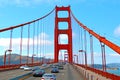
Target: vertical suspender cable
x,y
37,39
42,34
103,56
33,42
39,53
85,45
43,44
41,49
28,44
79,47
91,50
45,39
10,46
40,40
82,57
21,44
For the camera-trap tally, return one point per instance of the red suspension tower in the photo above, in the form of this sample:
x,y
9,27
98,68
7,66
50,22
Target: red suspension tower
x,y
68,32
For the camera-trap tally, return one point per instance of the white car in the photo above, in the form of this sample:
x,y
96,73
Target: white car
x,y
48,76
44,65
22,67
27,68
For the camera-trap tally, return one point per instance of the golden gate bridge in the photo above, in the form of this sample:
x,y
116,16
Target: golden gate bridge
x,y
32,40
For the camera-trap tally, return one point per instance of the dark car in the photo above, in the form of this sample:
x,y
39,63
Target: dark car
x,y
38,73
35,68
60,67
55,70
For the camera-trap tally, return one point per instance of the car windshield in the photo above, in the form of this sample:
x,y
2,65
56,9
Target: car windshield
x,y
48,76
26,67
54,68
40,70
35,67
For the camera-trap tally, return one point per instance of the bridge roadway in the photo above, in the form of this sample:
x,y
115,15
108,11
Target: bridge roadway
x,y
69,73
6,75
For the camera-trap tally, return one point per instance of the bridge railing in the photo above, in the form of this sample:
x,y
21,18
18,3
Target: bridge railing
x,y
17,66
100,72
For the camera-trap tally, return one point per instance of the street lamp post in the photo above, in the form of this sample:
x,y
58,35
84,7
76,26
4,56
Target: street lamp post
x,y
85,56
33,58
5,56
65,56
76,58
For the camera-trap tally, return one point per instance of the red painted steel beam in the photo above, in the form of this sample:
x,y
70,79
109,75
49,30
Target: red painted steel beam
x,y
62,8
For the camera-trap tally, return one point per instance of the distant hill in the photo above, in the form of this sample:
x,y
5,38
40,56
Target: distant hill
x,y
111,65
114,65
15,59
99,66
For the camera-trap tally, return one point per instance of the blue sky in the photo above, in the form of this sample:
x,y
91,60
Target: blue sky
x,y
102,16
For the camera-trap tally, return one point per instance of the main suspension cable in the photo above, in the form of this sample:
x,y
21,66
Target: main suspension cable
x,y
17,26
113,46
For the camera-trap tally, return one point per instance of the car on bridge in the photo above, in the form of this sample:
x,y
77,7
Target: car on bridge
x,y
48,76
35,68
54,70
27,68
38,73
23,66
60,67
44,65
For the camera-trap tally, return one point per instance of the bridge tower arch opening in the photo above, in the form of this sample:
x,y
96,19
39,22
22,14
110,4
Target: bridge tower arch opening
x,y
67,31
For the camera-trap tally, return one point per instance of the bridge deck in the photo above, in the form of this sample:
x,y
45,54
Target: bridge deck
x,y
6,75
68,73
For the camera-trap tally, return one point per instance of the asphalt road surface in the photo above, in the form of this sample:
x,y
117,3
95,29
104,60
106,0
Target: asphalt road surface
x,y
6,75
68,73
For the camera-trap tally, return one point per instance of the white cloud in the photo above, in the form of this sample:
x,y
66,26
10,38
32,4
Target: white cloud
x,y
96,54
4,42
49,55
114,55
43,35
63,37
117,31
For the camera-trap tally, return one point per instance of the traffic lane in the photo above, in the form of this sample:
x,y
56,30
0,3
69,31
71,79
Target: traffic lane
x,y
38,78
68,73
12,73
72,74
59,76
